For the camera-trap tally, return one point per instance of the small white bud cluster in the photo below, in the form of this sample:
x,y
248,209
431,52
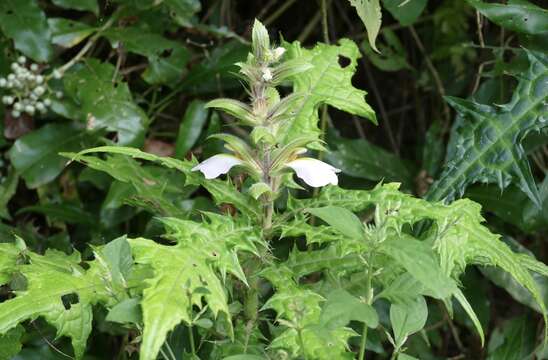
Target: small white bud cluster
x,y
273,55
28,89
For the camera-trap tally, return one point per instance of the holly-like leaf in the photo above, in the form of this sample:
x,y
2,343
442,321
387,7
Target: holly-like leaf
x,y
188,273
35,156
488,144
329,82
25,23
106,102
517,15
57,289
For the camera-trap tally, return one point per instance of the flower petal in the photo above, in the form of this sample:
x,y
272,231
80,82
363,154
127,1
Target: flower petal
x,y
314,172
217,165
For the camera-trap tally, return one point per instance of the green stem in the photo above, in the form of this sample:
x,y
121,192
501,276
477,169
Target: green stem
x,y
369,298
191,340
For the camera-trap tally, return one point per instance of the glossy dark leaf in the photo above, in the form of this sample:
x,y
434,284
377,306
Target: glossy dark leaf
x,y
406,12
106,101
35,156
68,33
25,23
84,5
517,15
191,127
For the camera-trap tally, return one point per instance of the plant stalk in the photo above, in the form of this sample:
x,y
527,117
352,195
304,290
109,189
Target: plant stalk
x,y
369,298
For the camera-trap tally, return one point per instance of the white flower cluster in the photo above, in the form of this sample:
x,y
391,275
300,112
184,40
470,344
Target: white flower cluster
x,y
28,89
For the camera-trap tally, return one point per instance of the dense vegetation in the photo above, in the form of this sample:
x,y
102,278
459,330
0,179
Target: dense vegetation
x,y
281,179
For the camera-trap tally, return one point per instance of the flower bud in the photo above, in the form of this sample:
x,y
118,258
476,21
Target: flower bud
x,y
11,77
29,109
40,106
57,74
8,100
267,74
47,102
34,67
3,83
17,106
15,113
278,53
39,90
15,66
22,60
39,79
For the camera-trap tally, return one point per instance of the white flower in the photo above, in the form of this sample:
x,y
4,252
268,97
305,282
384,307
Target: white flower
x,y
278,52
267,74
217,165
314,172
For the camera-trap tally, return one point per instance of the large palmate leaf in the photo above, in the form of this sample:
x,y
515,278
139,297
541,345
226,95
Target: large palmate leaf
x,y
329,81
458,237
488,144
187,273
57,289
222,191
25,23
106,102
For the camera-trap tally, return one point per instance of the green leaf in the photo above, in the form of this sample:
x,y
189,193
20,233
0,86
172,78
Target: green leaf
x,y
187,273
341,307
191,127
405,11
182,10
8,186
406,357
115,258
514,341
392,56
35,155
167,58
25,23
407,319
328,82
83,5
68,33
518,15
126,311
52,279
66,212
106,101
489,143
10,343
370,13
244,357
359,158
341,219
417,257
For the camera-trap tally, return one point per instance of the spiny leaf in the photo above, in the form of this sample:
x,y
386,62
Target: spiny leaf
x,y
458,235
328,82
50,278
222,191
489,143
188,272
